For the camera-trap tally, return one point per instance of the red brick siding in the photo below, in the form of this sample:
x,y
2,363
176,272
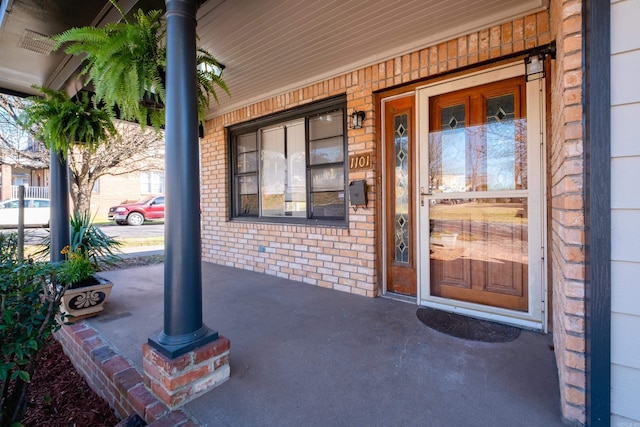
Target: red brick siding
x,y
337,258
567,203
112,376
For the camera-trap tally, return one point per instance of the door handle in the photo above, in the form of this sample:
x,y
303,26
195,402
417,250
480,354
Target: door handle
x,y
422,194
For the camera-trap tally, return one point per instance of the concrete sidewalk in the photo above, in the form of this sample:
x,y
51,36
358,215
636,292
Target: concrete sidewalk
x,y
137,251
307,356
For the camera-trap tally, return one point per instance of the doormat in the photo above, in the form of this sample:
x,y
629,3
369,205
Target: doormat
x,y
466,327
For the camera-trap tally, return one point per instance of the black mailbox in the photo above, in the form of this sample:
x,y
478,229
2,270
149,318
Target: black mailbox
x,y
358,193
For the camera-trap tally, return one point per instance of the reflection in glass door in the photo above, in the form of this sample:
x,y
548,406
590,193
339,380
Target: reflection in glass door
x,y
478,244
477,216
478,251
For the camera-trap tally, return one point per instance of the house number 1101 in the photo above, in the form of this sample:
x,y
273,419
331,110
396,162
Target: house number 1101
x,y
360,161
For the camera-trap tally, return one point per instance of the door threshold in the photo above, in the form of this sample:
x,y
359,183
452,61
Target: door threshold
x,y
400,297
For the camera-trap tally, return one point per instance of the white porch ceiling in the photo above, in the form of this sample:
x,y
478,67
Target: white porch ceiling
x,y
268,46
271,46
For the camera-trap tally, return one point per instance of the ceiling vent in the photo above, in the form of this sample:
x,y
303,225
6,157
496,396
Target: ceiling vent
x,y
36,42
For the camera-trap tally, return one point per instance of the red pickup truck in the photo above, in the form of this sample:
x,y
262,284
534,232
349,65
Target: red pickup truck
x,y
137,213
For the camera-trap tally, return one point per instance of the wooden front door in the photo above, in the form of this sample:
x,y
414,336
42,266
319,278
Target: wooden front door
x,y
478,195
400,236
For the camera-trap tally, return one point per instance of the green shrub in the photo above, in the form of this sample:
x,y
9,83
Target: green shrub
x,y
88,240
91,242
29,303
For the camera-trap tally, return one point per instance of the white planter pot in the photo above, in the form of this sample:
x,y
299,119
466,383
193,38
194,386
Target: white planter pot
x,y
449,239
86,301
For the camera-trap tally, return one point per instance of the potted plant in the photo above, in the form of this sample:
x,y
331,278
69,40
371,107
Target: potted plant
x,y
126,64
86,293
61,121
90,248
448,238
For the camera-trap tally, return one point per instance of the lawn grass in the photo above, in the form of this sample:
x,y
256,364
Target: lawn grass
x,y
141,241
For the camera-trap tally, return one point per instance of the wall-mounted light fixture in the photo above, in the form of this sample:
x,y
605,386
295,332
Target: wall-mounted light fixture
x,y
215,69
356,118
534,62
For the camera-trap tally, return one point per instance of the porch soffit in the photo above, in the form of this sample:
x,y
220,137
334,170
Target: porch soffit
x,y
273,46
268,46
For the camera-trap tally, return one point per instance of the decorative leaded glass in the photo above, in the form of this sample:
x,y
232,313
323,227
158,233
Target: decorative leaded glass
x,y
401,143
500,108
453,117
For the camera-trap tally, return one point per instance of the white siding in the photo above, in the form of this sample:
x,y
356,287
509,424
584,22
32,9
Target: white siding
x,y
625,212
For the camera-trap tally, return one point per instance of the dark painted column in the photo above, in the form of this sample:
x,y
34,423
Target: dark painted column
x,y
596,48
183,327
59,196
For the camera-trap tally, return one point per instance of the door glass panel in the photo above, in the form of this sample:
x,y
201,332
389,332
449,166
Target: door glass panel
x,y
506,145
401,143
479,250
447,158
488,156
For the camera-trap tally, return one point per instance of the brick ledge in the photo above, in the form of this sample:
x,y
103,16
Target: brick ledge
x,y
115,378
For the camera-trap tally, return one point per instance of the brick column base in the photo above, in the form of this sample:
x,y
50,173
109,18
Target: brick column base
x,y
177,381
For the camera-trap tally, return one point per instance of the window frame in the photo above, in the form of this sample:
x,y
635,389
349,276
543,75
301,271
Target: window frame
x,y
304,112
150,182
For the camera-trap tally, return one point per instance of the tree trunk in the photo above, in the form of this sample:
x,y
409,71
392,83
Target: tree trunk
x,y
81,181
81,196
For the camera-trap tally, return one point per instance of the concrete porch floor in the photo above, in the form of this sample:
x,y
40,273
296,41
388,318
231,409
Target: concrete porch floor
x,y
307,356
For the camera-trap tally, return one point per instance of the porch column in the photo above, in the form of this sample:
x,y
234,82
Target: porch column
x,y
183,326
5,181
59,197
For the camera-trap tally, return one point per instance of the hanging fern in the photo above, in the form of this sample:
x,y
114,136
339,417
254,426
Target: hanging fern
x,y
207,81
61,121
126,62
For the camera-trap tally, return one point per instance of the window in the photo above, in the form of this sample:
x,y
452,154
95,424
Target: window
x,y
151,182
96,187
291,167
38,203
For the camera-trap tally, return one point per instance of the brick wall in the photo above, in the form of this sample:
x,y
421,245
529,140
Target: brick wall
x,y
567,202
113,377
345,259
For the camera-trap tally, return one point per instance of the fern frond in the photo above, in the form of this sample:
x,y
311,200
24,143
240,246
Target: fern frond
x,y
61,121
126,63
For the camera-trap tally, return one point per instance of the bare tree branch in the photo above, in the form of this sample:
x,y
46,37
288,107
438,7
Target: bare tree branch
x,y
132,150
17,145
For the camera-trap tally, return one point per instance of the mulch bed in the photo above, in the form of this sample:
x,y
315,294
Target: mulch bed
x,y
59,395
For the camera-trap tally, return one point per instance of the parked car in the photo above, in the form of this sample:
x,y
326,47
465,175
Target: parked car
x,y
36,212
136,213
